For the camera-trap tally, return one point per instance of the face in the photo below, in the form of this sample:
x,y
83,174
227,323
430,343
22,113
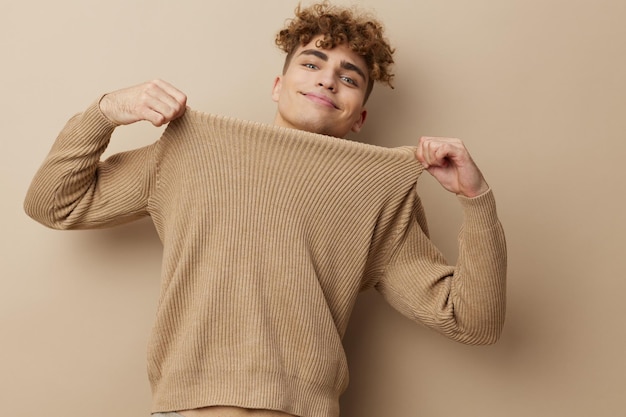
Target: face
x,y
322,91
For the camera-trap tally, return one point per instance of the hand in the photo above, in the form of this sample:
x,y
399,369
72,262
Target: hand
x,y
450,163
155,101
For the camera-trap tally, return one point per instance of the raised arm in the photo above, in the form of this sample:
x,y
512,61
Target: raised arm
x,y
75,189
467,301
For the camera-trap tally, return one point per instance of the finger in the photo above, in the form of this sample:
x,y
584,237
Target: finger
x,y
432,151
421,152
171,96
161,110
173,92
154,117
442,151
163,102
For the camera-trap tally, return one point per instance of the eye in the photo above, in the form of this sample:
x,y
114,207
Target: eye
x,y
310,66
349,80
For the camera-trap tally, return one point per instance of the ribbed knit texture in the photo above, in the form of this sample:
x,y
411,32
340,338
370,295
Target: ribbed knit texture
x,y
269,234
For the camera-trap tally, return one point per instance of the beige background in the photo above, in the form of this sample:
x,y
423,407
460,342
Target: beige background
x,y
537,89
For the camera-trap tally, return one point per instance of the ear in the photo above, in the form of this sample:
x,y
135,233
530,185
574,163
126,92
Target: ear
x,y
356,127
278,81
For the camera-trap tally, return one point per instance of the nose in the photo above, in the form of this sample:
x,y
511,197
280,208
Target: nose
x,y
329,86
327,80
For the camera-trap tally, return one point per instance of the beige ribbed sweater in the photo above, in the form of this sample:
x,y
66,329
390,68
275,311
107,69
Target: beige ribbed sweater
x,y
269,234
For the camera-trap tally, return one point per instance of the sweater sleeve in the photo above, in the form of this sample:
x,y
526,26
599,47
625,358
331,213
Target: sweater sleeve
x,y
74,189
465,302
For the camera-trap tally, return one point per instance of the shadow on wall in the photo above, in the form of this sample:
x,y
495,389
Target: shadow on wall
x,y
134,249
388,115
397,364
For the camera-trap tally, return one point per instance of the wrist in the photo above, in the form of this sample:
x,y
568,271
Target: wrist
x,y
104,104
474,191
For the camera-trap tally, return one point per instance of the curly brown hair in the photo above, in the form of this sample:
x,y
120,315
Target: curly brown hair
x,y
339,25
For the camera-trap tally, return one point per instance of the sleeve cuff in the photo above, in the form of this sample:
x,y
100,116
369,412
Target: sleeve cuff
x,y
96,109
479,212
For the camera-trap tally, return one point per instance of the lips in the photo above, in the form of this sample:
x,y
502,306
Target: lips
x,y
321,99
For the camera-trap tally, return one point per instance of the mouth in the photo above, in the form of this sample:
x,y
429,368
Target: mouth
x,y
321,99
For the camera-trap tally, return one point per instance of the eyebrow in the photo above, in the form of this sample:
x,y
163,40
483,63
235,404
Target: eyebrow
x,y
344,64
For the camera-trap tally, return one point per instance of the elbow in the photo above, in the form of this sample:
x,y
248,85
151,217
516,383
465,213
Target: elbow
x,y
485,334
44,213
38,214
482,331
33,210
481,323
487,339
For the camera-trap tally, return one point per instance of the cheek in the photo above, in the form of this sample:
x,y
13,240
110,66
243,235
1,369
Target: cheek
x,y
356,106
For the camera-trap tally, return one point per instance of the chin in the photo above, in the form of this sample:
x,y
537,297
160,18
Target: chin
x,y
319,128
312,124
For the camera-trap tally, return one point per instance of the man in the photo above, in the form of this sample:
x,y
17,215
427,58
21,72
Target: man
x,y
271,231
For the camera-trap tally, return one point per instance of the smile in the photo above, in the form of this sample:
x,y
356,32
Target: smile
x,y
320,99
